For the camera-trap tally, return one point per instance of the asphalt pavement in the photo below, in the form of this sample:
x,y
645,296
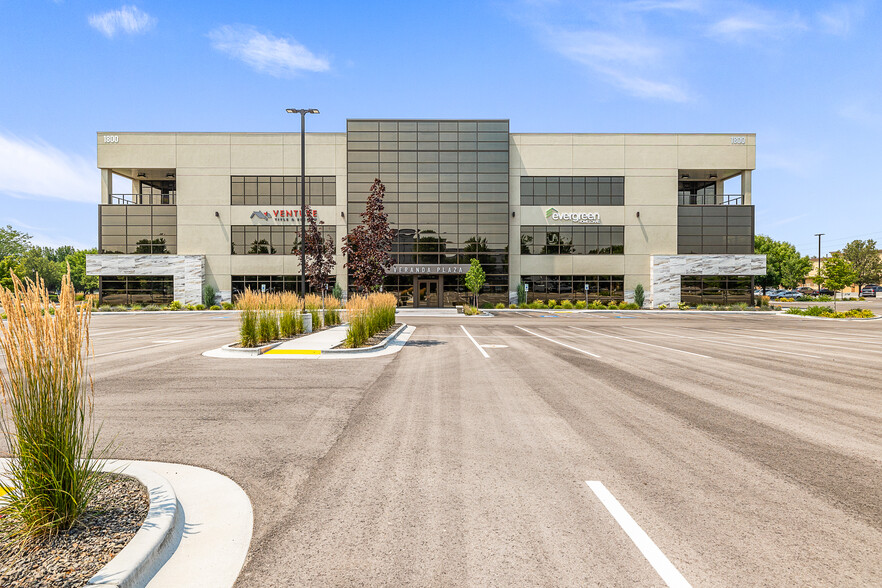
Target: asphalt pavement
x,y
746,448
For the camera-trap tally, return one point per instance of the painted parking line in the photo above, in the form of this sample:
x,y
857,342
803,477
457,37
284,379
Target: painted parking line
x,y
642,343
658,560
472,339
558,342
802,341
717,342
129,350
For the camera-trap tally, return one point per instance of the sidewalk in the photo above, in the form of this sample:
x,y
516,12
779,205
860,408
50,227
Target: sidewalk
x,y
312,344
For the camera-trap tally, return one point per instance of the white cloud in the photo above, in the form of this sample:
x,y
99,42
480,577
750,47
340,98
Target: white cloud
x,y
279,57
128,19
860,112
627,64
839,19
37,170
664,5
753,21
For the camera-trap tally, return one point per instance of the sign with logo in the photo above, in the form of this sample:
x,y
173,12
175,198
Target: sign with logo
x,y
435,268
282,215
585,218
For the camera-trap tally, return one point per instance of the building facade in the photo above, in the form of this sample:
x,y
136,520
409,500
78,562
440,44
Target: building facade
x,y
572,216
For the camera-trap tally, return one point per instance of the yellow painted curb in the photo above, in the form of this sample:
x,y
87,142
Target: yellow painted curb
x,y
293,352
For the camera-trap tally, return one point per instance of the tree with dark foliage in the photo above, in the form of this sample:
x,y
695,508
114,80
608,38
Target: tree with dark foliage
x,y
319,255
367,246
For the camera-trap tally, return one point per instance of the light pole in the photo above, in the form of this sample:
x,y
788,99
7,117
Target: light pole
x,y
302,112
818,275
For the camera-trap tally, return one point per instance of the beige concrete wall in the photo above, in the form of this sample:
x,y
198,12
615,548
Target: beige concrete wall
x,y
650,164
203,164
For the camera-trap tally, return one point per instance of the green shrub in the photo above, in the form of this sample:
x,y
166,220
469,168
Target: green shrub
x,y
227,305
581,304
190,307
522,305
332,317
248,334
208,295
522,294
537,304
176,305
552,303
337,292
622,305
567,304
764,301
824,298
136,307
682,306
662,306
119,308
499,306
469,310
596,305
47,425
639,295
151,308
512,306
827,312
629,306
199,307
486,305
215,307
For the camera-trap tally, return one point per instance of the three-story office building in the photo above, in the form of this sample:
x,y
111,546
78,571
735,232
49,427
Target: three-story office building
x,y
572,216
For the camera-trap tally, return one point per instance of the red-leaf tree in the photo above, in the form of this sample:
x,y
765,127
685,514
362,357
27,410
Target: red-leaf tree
x,y
367,245
319,254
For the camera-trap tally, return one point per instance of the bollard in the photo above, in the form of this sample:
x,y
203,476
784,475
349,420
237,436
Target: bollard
x,y
307,322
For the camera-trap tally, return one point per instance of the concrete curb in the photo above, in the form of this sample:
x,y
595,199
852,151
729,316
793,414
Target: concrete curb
x,y
249,351
381,345
644,310
155,540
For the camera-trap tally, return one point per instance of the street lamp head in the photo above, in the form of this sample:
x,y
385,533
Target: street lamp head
x,y
313,111
302,110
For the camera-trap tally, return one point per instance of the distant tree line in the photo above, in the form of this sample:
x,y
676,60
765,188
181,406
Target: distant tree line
x,y
24,259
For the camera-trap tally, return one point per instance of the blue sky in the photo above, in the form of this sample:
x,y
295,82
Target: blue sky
x,y
805,76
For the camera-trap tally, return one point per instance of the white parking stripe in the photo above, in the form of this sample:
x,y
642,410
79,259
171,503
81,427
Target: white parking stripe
x,y
717,342
484,353
558,342
642,343
654,555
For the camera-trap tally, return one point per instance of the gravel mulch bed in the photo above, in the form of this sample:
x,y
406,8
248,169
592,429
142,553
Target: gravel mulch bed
x,y
72,557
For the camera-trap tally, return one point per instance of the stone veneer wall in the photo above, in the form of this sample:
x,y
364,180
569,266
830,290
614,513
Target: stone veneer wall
x,y
188,271
666,271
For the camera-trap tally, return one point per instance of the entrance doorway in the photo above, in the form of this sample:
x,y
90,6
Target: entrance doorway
x,y
428,293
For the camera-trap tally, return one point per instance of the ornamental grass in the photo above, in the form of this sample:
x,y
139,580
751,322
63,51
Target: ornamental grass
x,y
369,315
313,305
332,311
46,413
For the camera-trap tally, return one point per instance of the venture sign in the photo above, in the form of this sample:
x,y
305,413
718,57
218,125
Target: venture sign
x,y
588,218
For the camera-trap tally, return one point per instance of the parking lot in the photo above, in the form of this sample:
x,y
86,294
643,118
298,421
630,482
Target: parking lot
x,y
747,448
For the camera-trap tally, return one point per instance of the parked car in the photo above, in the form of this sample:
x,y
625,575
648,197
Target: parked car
x,y
822,292
804,290
871,290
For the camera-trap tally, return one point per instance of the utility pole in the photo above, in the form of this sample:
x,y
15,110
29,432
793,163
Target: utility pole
x,y
818,275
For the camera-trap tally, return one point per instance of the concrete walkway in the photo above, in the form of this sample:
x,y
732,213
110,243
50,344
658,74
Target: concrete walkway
x,y
312,344
214,532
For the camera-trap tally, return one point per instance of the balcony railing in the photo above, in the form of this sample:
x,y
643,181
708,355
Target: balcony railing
x,y
711,199
168,198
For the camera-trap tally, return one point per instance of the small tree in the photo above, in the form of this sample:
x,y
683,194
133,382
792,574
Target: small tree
x,y
475,279
639,295
864,258
522,293
838,273
784,266
319,255
367,245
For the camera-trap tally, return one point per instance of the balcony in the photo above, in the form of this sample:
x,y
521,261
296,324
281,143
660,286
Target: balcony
x,y
123,199
710,199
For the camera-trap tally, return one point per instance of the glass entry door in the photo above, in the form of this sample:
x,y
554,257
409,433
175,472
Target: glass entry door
x,y
428,294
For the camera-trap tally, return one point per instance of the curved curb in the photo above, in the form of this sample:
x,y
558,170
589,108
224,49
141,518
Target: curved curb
x,y
381,345
153,543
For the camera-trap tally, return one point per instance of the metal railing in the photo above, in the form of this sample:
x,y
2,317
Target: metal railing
x,y
142,198
711,199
